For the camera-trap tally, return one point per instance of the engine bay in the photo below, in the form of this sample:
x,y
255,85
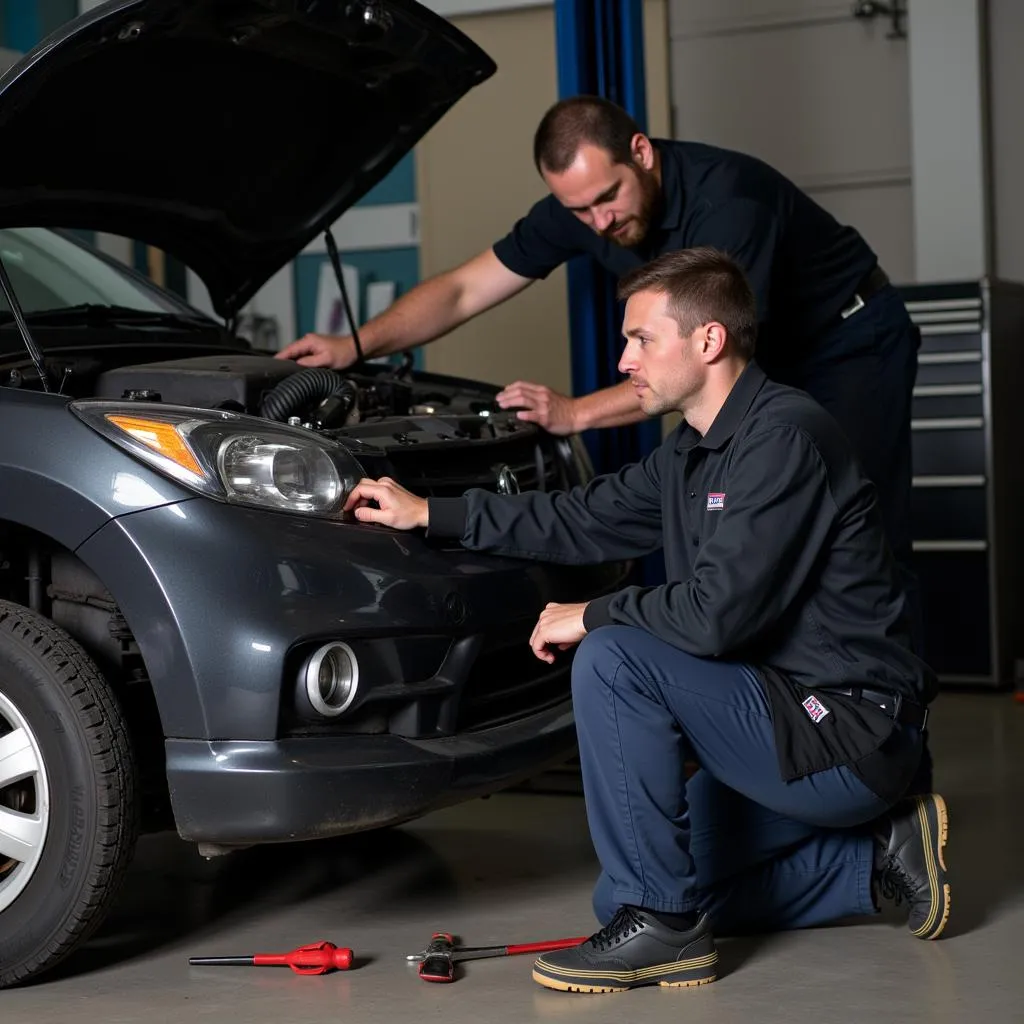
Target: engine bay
x,y
380,404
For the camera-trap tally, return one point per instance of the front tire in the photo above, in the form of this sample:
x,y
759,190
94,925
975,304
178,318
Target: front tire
x,y
68,808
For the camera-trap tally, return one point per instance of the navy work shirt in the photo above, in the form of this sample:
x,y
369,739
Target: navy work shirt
x,y
775,556
803,265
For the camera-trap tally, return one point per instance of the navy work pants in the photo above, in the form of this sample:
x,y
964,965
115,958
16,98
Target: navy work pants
x,y
754,851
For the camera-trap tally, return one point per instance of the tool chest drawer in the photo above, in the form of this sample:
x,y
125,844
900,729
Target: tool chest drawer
x,y
967,498
949,508
948,447
939,341
946,401
949,368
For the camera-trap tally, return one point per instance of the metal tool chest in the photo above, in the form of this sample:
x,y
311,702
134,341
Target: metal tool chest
x,y
968,464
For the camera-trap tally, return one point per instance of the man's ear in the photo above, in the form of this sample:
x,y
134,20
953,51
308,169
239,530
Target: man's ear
x,y
643,151
715,336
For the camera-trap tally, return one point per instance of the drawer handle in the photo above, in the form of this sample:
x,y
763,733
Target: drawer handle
x,y
949,481
950,545
932,358
947,328
953,317
953,305
938,390
949,423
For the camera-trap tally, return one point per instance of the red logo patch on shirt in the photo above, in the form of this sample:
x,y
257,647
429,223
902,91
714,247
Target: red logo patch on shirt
x,y
815,708
716,500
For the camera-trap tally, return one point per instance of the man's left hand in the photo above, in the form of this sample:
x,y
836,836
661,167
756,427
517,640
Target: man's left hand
x,y
559,625
553,411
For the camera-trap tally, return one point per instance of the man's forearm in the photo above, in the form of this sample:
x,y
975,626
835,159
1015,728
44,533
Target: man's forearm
x,y
421,315
441,304
610,407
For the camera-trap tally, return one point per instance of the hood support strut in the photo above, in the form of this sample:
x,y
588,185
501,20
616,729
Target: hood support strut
x,y
332,252
26,334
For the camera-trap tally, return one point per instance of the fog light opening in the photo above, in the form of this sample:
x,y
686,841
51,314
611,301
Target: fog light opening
x,y
331,678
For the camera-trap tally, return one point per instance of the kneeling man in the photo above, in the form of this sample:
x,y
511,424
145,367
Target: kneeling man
x,y
777,656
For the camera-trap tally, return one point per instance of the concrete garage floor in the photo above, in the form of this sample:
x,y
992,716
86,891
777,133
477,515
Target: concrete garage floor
x,y
518,867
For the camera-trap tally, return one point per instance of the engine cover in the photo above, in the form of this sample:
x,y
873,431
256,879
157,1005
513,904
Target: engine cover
x,y
234,382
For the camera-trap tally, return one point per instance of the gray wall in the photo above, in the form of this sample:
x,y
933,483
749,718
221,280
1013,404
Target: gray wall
x,y
844,111
1006,94
821,96
950,146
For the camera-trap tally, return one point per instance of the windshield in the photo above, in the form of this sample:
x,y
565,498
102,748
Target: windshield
x,y
49,271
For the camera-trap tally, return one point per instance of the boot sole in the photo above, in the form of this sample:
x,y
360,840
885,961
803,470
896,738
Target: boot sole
x,y
563,986
633,979
935,837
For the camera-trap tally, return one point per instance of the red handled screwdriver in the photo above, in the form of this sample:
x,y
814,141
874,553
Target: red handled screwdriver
x,y
316,958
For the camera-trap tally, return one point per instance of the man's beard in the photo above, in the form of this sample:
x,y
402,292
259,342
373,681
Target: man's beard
x,y
639,225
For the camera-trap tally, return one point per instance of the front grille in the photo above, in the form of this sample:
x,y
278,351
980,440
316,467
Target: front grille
x,y
476,681
448,473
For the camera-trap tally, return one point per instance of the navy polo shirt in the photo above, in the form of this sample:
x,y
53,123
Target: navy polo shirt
x,y
803,265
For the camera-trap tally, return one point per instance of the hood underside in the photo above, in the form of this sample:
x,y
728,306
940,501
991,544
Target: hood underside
x,y
227,132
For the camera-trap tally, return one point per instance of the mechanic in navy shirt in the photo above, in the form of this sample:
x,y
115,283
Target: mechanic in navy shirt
x,y
830,323
777,654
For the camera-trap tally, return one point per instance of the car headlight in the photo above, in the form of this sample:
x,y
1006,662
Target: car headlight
x,y
235,458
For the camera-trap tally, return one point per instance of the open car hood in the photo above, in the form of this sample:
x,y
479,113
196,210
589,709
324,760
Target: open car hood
x,y
226,132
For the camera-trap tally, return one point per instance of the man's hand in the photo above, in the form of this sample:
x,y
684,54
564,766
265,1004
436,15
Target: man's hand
x,y
398,508
559,625
333,351
555,412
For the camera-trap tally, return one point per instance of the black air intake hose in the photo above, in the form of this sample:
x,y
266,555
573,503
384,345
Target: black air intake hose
x,y
301,390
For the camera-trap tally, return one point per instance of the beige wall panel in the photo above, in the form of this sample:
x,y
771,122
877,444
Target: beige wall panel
x,y
474,178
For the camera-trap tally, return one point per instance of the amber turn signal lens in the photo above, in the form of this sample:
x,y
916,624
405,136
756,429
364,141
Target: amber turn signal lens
x,y
161,437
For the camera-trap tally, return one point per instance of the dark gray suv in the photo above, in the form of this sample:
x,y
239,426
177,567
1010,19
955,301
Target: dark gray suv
x,y
193,635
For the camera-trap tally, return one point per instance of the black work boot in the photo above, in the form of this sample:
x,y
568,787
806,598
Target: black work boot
x,y
633,949
909,863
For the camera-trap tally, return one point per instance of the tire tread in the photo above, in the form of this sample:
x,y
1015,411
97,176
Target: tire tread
x,y
109,745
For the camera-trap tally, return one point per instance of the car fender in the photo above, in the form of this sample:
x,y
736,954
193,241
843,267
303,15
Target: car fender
x,y
65,482
121,565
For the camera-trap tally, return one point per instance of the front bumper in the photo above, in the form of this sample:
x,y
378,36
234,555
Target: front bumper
x,y
239,793
223,603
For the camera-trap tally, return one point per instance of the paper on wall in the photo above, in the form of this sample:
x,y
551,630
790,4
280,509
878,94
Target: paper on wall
x,y
330,310
379,295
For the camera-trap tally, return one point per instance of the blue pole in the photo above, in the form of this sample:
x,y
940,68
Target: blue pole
x,y
572,19
634,87
599,48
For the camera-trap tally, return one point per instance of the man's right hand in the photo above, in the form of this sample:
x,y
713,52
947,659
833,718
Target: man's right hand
x,y
333,351
397,507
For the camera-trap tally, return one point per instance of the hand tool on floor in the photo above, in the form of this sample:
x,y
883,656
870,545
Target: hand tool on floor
x,y
316,958
437,962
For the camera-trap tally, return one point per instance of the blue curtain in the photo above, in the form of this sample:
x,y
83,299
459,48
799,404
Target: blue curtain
x,y
600,53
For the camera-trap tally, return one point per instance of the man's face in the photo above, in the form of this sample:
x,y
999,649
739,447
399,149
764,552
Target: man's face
x,y
665,368
615,200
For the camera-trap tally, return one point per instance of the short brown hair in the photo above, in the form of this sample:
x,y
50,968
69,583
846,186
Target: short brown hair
x,y
702,285
572,122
